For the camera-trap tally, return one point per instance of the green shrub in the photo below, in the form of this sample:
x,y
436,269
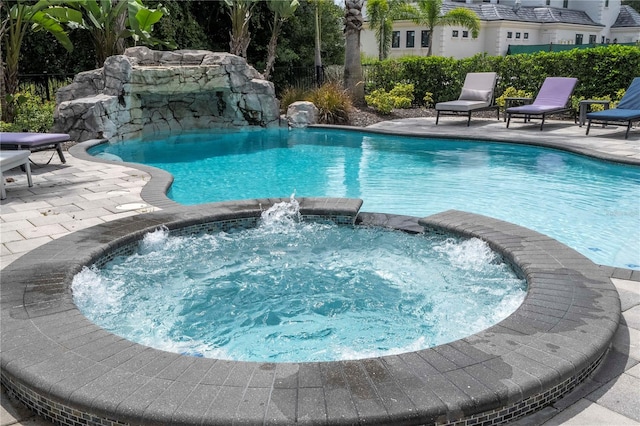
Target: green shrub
x,y
512,92
401,96
600,71
31,114
380,100
333,103
291,95
428,99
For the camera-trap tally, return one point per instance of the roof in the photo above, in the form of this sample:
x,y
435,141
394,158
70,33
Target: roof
x,y
628,17
543,14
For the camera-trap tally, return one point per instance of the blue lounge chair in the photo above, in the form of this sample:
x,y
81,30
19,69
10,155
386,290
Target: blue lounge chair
x,y
553,98
627,111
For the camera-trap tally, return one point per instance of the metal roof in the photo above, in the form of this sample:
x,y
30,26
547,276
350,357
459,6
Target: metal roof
x,y
628,17
544,14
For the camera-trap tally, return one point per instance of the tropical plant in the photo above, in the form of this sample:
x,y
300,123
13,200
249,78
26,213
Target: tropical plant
x,y
428,13
31,114
381,15
353,80
111,22
240,12
333,103
282,10
17,18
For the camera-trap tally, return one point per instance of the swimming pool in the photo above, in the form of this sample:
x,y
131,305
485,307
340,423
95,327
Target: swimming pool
x,y
590,205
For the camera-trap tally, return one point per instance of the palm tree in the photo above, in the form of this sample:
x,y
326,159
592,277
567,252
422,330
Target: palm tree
x,y
353,80
282,10
17,17
381,15
240,12
428,13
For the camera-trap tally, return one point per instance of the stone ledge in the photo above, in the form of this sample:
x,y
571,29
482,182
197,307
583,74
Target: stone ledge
x,y
70,370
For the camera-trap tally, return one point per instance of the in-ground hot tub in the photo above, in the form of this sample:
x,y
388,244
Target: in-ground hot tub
x,y
70,370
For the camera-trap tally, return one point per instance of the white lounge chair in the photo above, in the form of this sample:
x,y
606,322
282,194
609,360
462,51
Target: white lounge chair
x,y
476,95
11,159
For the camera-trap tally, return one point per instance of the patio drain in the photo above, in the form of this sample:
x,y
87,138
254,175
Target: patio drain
x,y
132,206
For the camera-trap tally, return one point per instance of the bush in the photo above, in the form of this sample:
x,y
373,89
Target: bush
x,y
333,103
291,95
512,92
31,114
601,71
401,96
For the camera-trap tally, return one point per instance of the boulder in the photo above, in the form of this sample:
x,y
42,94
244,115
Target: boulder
x,y
302,114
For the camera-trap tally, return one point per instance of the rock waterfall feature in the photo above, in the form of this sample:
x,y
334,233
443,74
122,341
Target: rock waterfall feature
x,y
147,92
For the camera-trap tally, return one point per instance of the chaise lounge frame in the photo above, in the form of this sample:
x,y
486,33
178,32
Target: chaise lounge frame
x,y
34,142
553,98
474,82
627,111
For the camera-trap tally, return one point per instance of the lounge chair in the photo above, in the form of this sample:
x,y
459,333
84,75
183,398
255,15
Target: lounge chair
x,y
476,95
11,159
627,111
553,97
34,141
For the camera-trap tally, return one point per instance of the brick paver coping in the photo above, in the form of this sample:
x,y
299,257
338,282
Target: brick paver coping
x,y
70,370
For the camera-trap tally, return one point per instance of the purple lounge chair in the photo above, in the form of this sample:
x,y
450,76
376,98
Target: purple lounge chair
x,y
627,111
553,98
34,141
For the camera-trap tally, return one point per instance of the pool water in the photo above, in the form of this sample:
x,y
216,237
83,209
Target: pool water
x,y
292,291
589,205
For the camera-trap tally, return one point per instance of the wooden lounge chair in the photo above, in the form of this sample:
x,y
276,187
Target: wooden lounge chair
x,y
476,95
11,159
34,141
553,98
627,111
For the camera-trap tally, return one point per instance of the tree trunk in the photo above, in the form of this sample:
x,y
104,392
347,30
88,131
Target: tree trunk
x,y
353,79
271,48
318,50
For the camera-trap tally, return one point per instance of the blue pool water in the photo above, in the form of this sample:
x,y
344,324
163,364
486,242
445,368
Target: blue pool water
x,y
590,205
292,291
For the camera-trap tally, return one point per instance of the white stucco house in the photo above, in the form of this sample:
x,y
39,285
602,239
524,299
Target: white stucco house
x,y
515,23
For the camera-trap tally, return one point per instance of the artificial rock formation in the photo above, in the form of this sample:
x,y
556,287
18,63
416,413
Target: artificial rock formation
x,y
144,91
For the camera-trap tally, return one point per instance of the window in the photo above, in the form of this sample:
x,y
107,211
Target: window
x,y
548,2
509,34
578,38
424,38
517,35
411,38
565,4
395,39
454,33
526,36
592,39
606,3
465,34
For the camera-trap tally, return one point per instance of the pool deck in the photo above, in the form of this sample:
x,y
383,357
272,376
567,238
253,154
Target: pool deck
x,y
79,194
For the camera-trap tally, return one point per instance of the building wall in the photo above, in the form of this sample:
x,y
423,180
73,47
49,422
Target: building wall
x,y
493,37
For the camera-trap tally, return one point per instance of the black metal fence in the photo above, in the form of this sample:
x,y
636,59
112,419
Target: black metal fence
x,y
46,85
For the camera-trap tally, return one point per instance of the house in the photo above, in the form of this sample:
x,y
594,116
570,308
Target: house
x,y
511,24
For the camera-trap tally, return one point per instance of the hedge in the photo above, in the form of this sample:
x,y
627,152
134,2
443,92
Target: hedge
x,y
601,71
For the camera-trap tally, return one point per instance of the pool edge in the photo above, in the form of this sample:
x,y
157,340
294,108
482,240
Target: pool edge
x,y
51,352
